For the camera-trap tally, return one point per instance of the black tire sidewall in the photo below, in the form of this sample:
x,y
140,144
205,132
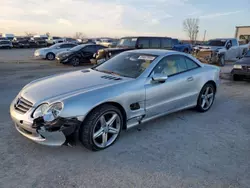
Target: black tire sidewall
x,y
87,128
199,101
237,77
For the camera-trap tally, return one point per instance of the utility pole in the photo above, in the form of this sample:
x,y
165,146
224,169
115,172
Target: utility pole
x,y
205,32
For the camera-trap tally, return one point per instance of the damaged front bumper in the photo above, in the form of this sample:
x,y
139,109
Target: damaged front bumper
x,y
53,133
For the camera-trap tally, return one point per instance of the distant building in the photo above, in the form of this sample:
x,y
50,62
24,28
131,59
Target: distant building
x,y
242,33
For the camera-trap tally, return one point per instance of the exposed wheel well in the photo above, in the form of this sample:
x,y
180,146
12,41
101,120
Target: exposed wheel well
x,y
213,83
124,115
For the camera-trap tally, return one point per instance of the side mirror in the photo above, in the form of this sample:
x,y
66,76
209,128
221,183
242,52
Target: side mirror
x,y
228,46
58,47
159,78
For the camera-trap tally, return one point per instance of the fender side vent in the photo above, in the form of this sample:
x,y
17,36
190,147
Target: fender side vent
x,y
135,106
110,77
85,71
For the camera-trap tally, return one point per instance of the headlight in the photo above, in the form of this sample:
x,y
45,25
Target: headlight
x,y
237,67
40,110
65,55
53,111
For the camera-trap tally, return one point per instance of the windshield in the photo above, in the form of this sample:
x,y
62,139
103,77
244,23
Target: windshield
x,y
248,54
216,42
127,64
127,42
76,48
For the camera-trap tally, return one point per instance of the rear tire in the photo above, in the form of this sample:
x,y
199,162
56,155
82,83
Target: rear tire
x,y
98,131
50,56
237,77
206,98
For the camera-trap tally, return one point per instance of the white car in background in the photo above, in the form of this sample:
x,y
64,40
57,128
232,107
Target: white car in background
x,y
55,40
51,52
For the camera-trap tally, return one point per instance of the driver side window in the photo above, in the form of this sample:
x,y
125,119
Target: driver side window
x,y
171,65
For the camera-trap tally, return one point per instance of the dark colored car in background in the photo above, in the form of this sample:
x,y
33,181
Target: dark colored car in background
x,y
179,46
80,54
40,42
24,42
6,44
241,68
131,43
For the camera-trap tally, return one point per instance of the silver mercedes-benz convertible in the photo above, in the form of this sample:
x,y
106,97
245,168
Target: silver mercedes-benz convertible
x,y
96,104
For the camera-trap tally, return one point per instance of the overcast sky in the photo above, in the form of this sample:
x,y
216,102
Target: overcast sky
x,y
122,17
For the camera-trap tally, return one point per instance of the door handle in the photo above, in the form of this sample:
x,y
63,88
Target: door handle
x,y
190,79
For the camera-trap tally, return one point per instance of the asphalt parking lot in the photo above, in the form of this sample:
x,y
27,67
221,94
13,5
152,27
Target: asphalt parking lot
x,y
185,149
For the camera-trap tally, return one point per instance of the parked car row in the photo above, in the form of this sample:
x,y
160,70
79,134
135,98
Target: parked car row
x,y
99,50
142,42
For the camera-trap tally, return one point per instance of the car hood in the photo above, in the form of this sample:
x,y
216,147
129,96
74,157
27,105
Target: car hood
x,y
64,85
244,61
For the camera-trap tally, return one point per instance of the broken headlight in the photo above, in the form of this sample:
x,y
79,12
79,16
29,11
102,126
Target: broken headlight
x,y
40,110
53,111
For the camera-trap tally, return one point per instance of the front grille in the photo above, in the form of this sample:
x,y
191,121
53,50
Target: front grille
x,y
23,105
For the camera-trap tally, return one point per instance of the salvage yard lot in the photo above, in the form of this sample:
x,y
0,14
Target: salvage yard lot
x,y
185,149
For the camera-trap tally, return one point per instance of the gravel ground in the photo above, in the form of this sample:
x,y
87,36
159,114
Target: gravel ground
x,y
185,149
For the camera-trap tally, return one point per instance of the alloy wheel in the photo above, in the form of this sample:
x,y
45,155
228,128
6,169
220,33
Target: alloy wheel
x,y
207,98
75,61
106,129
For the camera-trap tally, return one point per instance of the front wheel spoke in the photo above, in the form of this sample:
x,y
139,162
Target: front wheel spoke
x,y
207,102
210,95
207,90
104,139
98,133
103,121
113,130
203,103
112,119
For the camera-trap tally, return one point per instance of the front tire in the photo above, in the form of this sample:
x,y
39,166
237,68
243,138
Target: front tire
x,y
101,128
206,98
185,50
50,56
237,77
